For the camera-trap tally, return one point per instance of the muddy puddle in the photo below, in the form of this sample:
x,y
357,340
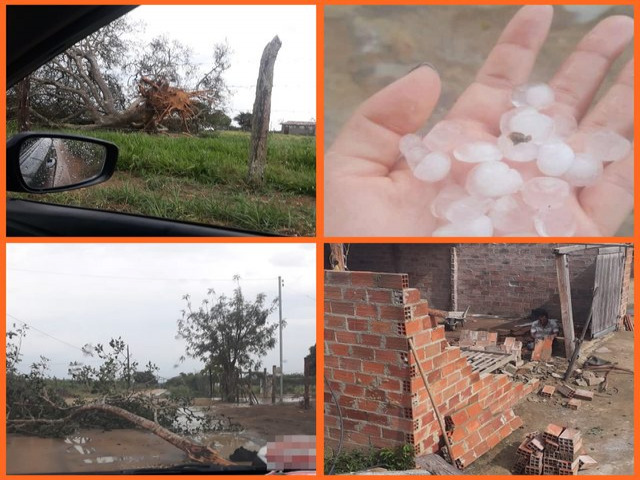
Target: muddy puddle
x,y
102,451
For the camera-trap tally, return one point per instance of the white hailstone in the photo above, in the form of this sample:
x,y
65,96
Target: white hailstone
x,y
479,227
517,147
446,196
476,152
531,123
537,95
493,179
545,192
584,171
466,209
555,158
607,146
408,142
433,167
444,136
414,155
555,222
510,214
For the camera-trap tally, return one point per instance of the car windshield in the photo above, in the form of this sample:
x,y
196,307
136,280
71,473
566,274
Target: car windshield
x,y
175,88
138,357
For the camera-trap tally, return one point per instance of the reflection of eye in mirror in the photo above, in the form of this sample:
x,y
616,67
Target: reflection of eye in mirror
x,y
49,162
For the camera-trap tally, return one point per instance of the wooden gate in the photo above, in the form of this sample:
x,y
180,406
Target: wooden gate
x,y
608,279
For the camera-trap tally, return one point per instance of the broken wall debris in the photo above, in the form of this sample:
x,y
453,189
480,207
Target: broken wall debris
x,y
369,318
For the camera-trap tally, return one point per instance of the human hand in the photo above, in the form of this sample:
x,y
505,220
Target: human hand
x,y
369,188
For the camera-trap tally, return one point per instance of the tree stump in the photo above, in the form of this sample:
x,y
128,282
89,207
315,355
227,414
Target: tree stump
x,y
262,112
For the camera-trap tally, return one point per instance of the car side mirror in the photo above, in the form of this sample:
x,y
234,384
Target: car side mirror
x,y
55,162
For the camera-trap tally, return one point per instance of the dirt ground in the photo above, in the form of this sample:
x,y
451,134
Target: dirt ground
x,y
103,451
367,47
606,422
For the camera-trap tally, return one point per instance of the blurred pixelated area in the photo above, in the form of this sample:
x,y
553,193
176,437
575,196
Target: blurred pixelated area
x,y
292,452
368,47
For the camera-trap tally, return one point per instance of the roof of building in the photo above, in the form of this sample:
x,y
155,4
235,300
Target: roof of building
x,y
298,123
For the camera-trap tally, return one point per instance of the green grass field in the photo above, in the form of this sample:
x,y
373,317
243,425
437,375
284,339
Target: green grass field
x,y
203,179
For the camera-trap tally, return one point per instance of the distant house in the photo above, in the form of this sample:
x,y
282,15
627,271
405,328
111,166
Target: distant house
x,y
299,128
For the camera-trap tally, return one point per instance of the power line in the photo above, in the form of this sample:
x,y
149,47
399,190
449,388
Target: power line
x,y
45,333
122,277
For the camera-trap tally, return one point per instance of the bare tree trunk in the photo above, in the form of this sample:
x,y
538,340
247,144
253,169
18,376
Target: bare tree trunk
x,y
337,258
23,104
262,112
196,452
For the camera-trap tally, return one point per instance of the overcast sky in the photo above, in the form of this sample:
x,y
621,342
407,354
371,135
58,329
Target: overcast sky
x,y
89,293
247,29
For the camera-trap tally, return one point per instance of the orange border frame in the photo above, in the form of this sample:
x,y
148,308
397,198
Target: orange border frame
x,y
319,240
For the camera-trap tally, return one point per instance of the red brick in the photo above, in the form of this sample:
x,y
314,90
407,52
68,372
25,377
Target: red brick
x,y
410,295
391,384
383,327
344,308
352,364
372,430
329,335
342,376
353,390
387,356
413,328
365,279
377,394
371,367
364,379
396,343
332,277
391,280
391,312
366,310
355,294
334,321
422,338
379,296
347,337
357,325
371,340
364,353
334,293
368,405
393,435
437,333
339,349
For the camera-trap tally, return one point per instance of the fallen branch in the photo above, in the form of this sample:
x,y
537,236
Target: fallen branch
x,y
196,452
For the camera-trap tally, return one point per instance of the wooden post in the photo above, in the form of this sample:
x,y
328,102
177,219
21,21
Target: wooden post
x,y
264,383
306,382
564,290
273,386
454,278
338,262
262,112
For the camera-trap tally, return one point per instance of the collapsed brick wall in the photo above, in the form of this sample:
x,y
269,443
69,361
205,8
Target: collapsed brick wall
x,y
369,319
494,279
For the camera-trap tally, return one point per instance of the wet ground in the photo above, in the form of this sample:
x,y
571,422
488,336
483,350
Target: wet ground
x,y
368,47
101,451
606,422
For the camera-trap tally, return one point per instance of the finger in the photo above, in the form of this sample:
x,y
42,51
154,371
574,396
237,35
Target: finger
x,y
371,135
615,110
509,64
578,79
610,201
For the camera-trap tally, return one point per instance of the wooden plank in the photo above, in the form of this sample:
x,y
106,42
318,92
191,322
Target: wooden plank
x,y
564,290
499,363
580,248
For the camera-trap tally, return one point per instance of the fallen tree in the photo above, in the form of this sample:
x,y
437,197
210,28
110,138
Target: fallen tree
x,y
196,452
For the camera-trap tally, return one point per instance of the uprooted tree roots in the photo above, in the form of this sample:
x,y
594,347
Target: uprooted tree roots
x,y
196,452
162,100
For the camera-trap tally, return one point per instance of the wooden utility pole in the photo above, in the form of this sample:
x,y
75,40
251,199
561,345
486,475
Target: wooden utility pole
x,y
262,112
564,290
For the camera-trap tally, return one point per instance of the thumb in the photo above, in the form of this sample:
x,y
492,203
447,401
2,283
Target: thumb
x,y
370,137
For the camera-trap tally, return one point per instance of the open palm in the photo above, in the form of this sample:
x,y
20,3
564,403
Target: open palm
x,y
369,191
